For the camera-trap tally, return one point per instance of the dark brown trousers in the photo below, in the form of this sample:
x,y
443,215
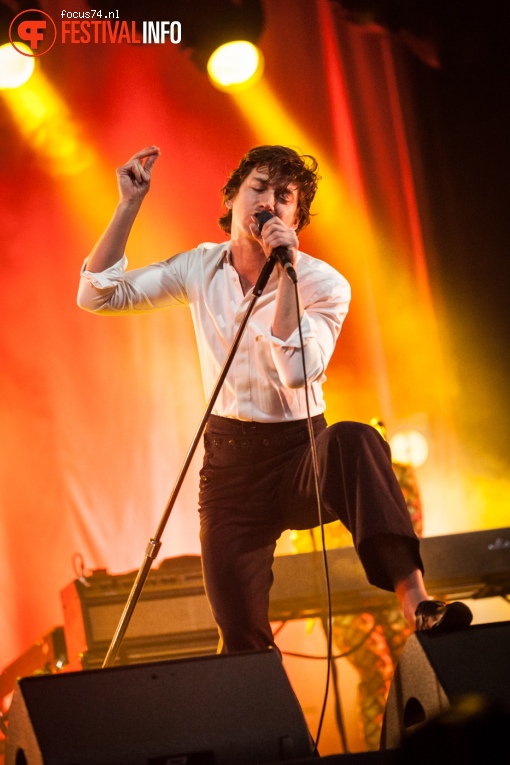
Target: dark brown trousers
x,y
258,480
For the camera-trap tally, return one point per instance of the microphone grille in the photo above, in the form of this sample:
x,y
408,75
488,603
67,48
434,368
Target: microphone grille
x,y
262,217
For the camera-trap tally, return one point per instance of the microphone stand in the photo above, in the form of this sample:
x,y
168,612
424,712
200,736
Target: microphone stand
x,y
154,543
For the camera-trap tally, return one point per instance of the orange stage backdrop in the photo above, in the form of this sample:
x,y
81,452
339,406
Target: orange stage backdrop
x,y
98,413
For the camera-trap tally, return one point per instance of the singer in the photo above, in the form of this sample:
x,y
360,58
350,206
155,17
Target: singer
x,y
257,478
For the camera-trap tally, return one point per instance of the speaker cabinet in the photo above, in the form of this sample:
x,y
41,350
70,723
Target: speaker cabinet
x,y
435,669
226,710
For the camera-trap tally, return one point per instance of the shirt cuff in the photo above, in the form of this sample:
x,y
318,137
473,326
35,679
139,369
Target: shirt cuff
x,y
102,280
308,331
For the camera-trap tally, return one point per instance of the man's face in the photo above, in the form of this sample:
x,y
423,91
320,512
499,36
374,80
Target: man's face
x,y
256,194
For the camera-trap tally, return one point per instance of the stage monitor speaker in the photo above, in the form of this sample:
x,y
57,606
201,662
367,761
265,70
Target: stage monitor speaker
x,y
433,670
226,710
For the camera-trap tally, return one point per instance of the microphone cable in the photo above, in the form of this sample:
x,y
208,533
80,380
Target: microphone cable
x,y
328,622
262,218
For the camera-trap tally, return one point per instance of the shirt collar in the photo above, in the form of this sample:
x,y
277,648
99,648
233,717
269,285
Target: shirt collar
x,y
226,255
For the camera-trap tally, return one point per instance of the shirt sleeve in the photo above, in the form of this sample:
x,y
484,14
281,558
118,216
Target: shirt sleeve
x,y
116,290
320,327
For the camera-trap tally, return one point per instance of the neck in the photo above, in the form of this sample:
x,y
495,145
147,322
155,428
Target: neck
x,y
248,259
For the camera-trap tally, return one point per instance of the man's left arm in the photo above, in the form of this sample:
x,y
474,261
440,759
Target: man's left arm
x,y
275,234
325,309
325,295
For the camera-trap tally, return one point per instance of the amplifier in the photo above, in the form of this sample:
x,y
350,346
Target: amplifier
x,y
172,617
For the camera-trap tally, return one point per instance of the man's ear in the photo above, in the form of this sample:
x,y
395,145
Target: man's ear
x,y
228,204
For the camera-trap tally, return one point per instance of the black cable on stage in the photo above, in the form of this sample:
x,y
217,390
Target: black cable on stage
x,y
329,631
343,655
297,655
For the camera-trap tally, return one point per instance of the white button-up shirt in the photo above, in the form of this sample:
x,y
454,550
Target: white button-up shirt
x,y
265,380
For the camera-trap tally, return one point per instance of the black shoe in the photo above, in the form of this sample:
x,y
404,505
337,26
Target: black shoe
x,y
438,617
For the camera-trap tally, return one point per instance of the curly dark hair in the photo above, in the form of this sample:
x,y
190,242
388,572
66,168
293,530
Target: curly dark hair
x,y
283,165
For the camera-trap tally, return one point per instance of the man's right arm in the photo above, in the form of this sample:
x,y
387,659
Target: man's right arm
x,y
134,182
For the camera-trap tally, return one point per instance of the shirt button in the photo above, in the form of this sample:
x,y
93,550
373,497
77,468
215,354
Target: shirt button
x,y
265,442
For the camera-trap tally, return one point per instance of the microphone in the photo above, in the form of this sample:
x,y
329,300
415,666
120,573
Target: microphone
x,y
280,253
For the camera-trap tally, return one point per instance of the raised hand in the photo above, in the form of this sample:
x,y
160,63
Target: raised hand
x,y
134,177
134,181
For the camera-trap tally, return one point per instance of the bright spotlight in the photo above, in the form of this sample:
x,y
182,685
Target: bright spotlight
x,y
235,66
43,119
15,69
409,447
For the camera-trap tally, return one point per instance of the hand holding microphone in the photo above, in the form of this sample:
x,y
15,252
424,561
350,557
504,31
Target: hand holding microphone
x,y
280,253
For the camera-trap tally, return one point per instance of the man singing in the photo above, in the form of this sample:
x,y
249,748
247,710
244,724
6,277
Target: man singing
x,y
258,475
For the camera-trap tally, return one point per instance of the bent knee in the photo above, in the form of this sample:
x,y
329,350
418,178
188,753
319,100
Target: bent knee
x,y
352,429
355,435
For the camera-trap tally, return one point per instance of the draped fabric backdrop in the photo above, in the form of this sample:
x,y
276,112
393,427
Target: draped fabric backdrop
x,y
98,413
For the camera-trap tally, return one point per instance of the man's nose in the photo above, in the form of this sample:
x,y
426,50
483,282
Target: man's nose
x,y
268,200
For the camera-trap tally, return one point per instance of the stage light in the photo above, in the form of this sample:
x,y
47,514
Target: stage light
x,y
45,122
235,66
409,447
15,69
